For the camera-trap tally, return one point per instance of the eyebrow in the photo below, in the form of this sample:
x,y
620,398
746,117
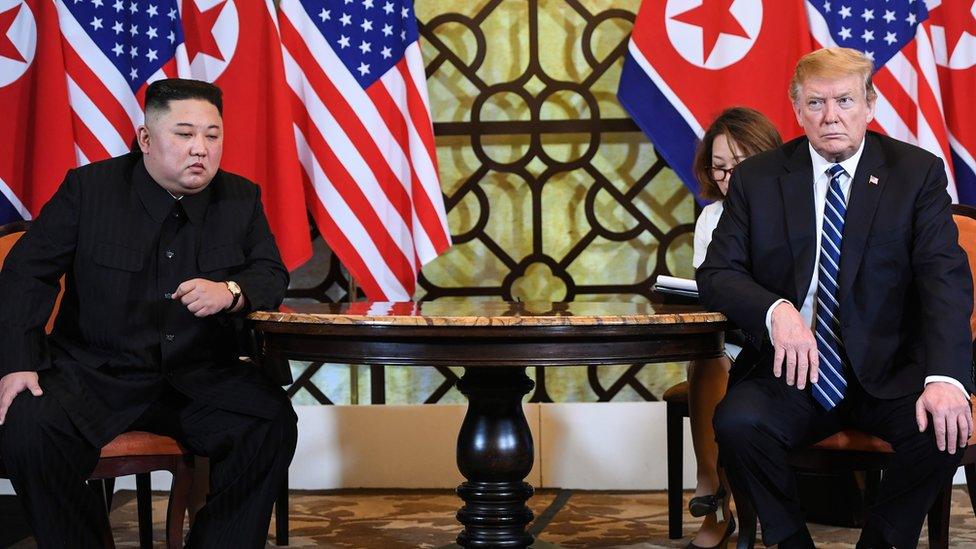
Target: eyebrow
x,y
844,93
187,124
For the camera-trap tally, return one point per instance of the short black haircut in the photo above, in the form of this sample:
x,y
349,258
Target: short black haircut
x,y
161,92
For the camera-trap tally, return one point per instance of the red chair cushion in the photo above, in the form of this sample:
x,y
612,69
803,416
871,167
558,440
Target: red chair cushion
x,y
141,443
853,440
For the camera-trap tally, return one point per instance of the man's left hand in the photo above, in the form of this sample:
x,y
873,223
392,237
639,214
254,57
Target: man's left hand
x,y
952,419
204,297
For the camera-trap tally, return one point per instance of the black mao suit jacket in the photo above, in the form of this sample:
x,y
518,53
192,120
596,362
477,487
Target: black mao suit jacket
x,y
118,339
906,293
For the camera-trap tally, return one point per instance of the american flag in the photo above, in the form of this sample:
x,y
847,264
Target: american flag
x,y
365,140
892,34
112,50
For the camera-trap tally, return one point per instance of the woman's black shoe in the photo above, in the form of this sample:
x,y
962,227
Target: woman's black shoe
x,y
703,505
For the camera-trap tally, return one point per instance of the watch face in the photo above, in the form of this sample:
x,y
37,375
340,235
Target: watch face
x,y
233,287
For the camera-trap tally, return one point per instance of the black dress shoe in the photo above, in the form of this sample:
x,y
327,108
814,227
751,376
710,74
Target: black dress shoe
x,y
722,542
704,505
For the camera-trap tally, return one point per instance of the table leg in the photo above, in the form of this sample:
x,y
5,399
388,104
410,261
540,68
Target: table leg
x,y
495,454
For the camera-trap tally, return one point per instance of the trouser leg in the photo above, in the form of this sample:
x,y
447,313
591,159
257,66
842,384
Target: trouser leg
x,y
916,474
249,459
48,462
756,425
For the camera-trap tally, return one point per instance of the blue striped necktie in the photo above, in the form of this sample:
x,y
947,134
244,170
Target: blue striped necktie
x,y
831,385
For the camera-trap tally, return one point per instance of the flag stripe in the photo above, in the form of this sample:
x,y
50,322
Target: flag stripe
x,y
335,172
87,145
341,245
90,116
363,191
424,156
382,95
666,90
361,256
97,93
901,103
412,72
14,201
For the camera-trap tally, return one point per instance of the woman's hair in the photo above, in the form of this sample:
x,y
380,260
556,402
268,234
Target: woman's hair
x,y
746,129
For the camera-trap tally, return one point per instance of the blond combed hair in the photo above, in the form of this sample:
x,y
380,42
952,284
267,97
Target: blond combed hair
x,y
833,62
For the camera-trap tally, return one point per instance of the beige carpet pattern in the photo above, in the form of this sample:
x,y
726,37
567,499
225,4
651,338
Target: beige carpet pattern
x,y
371,519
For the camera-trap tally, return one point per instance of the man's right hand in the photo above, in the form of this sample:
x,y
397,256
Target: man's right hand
x,y
795,347
12,385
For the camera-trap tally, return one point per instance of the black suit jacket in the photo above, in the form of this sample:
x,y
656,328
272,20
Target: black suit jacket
x,y
906,292
118,339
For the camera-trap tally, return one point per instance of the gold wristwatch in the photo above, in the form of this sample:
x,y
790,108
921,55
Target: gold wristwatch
x,y
235,291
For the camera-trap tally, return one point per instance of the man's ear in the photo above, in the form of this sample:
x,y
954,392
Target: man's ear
x,y
797,113
142,138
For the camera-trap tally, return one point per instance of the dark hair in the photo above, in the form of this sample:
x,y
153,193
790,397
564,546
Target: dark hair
x,y
750,131
161,92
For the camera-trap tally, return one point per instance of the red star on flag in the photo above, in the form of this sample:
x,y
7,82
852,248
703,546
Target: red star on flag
x,y
956,17
715,19
198,29
7,48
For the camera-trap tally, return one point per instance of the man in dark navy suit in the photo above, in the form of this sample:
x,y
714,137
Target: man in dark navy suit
x,y
162,253
837,253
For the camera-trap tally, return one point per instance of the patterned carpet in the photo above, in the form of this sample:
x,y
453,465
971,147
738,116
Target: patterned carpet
x,y
408,519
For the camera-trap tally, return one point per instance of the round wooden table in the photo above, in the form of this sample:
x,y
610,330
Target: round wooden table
x,y
494,342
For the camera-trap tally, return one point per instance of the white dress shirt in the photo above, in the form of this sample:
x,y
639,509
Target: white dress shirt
x,y
821,181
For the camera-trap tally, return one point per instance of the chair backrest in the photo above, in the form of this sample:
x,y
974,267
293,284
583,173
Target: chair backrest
x,y
9,235
965,218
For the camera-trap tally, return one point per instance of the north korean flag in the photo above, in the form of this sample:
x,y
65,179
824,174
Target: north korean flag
x,y
690,59
36,143
953,29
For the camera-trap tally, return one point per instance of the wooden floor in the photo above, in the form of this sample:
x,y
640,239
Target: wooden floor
x,y
408,519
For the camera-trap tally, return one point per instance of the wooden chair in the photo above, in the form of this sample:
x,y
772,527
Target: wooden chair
x,y
134,452
854,450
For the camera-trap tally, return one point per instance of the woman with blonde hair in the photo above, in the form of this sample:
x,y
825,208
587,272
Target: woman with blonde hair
x,y
736,134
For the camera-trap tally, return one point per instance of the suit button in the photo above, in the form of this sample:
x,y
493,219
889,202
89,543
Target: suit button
x,y
170,337
169,254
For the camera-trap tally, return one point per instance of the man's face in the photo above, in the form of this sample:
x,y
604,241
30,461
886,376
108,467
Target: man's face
x,y
834,114
182,146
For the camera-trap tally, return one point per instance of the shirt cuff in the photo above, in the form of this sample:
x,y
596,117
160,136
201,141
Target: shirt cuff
x,y
949,380
769,316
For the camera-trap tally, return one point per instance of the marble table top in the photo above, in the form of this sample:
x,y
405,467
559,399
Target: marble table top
x,y
479,312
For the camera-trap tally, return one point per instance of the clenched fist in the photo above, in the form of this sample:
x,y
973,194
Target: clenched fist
x,y
204,297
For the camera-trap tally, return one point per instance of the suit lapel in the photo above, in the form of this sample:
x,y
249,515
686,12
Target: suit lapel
x,y
796,187
860,211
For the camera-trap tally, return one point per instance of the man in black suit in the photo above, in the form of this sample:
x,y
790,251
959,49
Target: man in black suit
x,y
837,253
162,253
